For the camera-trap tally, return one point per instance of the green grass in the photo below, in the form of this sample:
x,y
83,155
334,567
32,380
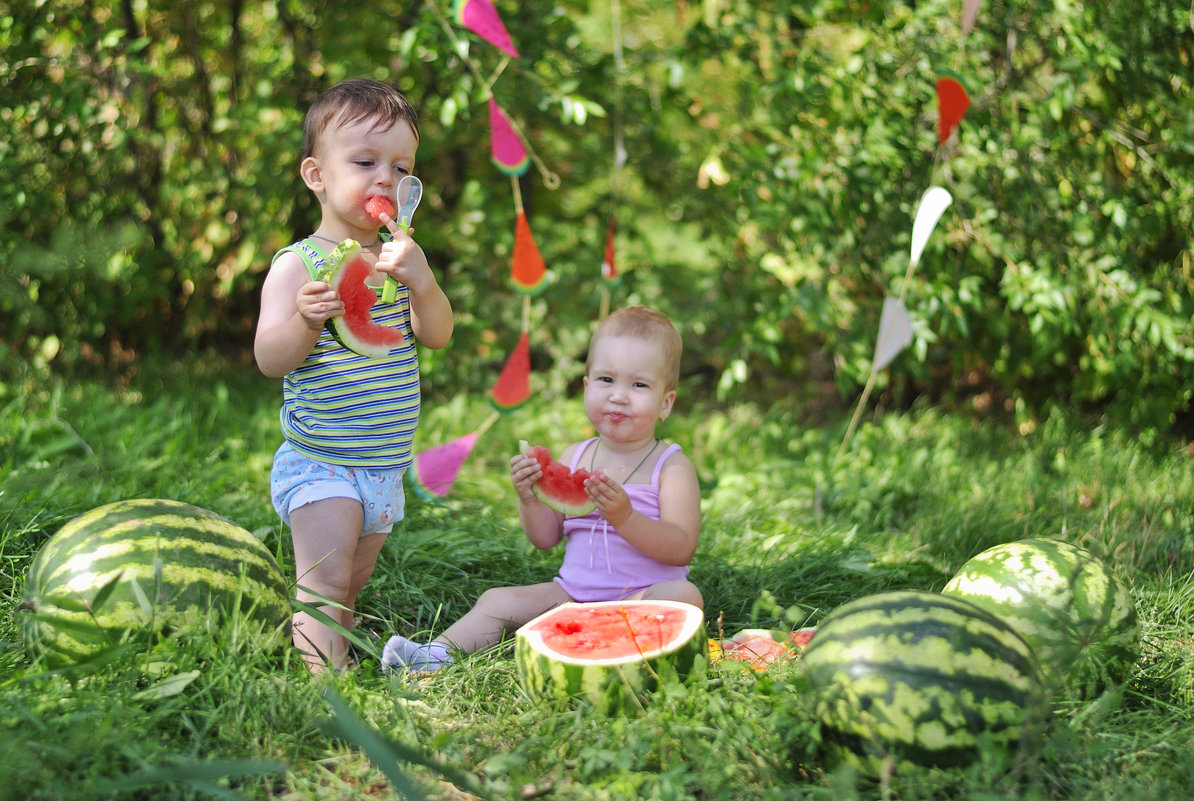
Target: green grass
x,y
788,535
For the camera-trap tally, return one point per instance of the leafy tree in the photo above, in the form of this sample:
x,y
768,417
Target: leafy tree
x,y
774,156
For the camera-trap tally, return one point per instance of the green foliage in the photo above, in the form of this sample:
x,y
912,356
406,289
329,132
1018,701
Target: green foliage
x,y
774,158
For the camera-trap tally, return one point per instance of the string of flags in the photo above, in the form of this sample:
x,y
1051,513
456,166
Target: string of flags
x,y
895,324
435,470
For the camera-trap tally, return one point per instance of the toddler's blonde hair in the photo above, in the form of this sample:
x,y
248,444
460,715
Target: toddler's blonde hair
x,y
645,323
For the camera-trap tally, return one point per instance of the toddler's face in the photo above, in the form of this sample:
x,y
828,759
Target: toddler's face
x,y
360,160
625,390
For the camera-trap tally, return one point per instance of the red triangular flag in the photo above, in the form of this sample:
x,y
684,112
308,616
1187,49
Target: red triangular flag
x,y
609,271
527,270
952,102
513,387
480,17
435,470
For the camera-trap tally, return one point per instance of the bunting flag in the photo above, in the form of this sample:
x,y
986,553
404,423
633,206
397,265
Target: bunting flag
x,y
952,103
435,470
480,17
513,387
895,333
609,271
933,204
969,14
528,273
506,148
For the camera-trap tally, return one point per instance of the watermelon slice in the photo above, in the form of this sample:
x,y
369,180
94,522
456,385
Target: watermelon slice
x,y
346,271
559,488
513,387
760,648
378,205
610,653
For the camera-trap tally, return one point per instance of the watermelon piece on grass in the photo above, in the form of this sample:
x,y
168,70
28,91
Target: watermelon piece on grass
x,y
139,569
559,488
920,679
609,653
346,270
761,648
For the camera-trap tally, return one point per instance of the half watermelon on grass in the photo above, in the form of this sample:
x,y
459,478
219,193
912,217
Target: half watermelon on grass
x,y
559,487
145,568
610,653
346,271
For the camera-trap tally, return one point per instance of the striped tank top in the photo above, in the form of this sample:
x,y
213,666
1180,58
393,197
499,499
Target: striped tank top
x,y
346,409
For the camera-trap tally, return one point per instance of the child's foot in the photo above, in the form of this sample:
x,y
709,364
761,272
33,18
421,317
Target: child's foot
x,y
402,654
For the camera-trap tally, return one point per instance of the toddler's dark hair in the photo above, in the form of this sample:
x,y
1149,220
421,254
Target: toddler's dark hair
x,y
352,101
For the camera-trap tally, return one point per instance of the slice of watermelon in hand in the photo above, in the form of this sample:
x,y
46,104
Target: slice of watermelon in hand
x,y
378,205
346,271
559,488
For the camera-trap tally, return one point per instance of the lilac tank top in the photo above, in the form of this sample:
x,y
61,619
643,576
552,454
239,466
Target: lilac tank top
x,y
601,566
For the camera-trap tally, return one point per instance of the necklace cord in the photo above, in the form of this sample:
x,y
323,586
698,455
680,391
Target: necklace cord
x,y
593,459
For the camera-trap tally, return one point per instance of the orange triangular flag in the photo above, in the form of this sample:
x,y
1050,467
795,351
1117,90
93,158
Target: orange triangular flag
x,y
527,270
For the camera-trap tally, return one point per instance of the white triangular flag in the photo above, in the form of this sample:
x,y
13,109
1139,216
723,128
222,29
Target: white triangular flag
x,y
895,332
932,204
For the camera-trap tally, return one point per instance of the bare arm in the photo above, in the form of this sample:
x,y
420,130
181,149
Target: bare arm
x,y
430,312
293,311
543,526
672,539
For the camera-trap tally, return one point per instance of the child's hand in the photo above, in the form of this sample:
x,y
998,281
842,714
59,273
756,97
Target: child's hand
x,y
524,472
317,302
403,260
610,497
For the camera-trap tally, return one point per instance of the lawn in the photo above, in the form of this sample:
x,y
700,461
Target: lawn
x,y
789,533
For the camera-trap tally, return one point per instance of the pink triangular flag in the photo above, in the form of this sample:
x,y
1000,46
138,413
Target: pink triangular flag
x,y
480,17
895,332
505,147
436,469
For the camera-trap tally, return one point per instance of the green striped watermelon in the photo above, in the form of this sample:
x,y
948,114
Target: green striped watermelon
x,y
1065,601
153,567
921,679
609,652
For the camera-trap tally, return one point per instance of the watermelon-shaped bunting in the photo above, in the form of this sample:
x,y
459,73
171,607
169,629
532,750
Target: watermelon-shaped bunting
x,y
435,470
528,273
513,387
609,271
506,148
952,103
480,17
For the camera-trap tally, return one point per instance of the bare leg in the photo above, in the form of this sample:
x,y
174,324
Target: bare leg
x,y
363,563
326,534
678,590
498,610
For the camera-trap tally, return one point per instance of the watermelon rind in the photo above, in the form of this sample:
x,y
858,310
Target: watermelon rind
x,y
148,568
333,272
561,505
920,679
614,685
1067,603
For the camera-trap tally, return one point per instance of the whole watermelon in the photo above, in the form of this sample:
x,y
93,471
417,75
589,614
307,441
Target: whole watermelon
x,y
921,679
148,567
1065,601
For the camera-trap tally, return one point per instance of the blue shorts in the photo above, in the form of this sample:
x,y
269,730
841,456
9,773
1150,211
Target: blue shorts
x,y
298,480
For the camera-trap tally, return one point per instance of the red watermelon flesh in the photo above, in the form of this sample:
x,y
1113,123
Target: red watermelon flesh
x,y
346,270
759,648
560,488
612,631
378,205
